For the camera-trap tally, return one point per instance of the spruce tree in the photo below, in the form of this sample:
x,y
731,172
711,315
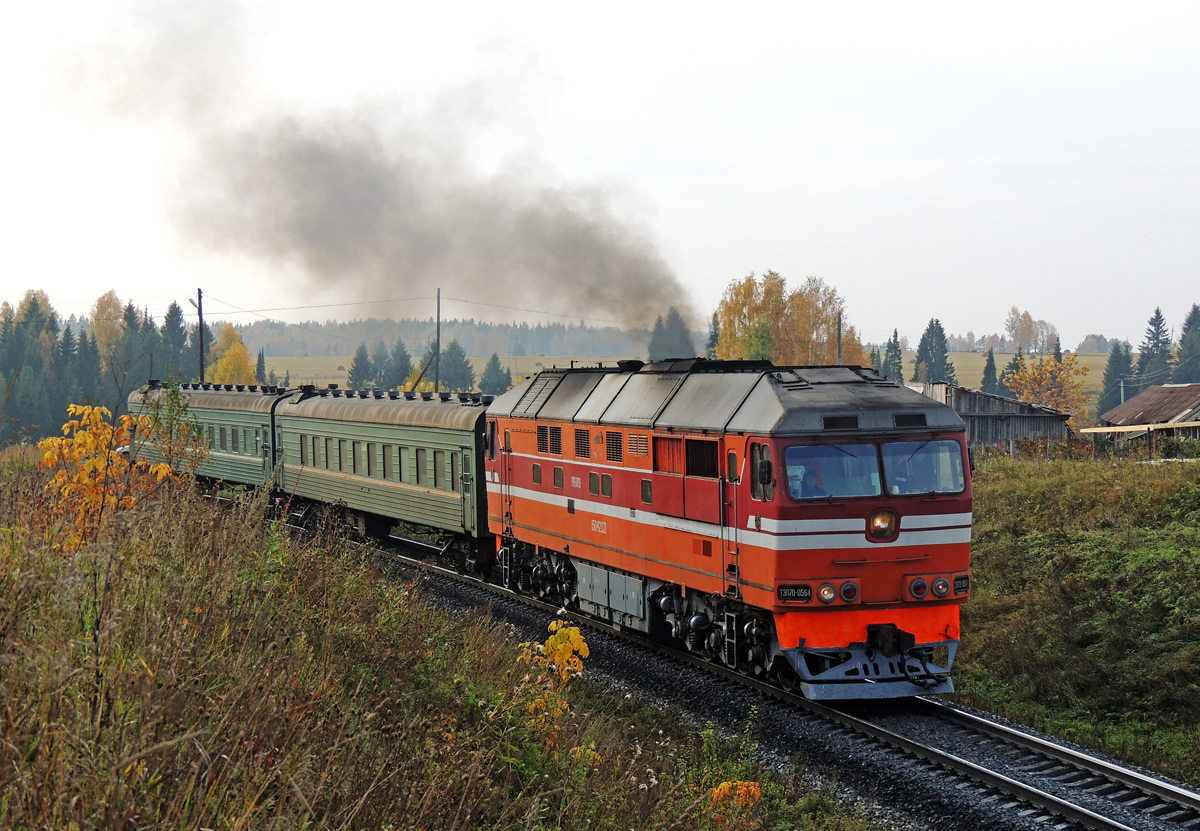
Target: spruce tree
x,y
260,368
893,358
876,360
1154,355
1057,350
456,374
933,356
1014,366
359,375
399,366
657,349
1118,378
381,359
174,344
714,337
1187,361
677,338
495,380
990,383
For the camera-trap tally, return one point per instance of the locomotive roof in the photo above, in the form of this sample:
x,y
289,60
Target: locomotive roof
x,y
727,396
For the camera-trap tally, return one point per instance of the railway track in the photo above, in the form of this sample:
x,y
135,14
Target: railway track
x,y
1039,781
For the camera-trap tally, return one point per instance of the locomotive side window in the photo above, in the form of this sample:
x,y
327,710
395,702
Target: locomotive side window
x,y
606,485
594,484
490,440
912,467
558,478
647,492
731,471
537,474
759,489
837,470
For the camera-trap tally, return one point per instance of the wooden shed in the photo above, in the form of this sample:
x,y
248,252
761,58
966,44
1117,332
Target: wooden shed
x,y
1171,408
996,420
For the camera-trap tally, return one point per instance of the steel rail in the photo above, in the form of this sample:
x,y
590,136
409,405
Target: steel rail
x,y
1020,791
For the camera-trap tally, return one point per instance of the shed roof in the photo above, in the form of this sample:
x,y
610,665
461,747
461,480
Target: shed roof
x,y
1158,404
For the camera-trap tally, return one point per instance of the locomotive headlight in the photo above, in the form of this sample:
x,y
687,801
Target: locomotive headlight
x,y
918,588
882,525
941,587
827,592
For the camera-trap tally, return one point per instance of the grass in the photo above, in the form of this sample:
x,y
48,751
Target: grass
x,y
188,667
1085,620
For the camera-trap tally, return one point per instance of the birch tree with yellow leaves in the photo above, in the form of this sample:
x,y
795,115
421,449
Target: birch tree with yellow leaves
x,y
759,317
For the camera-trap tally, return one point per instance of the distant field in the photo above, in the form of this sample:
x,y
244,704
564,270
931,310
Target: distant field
x,y
322,371
968,367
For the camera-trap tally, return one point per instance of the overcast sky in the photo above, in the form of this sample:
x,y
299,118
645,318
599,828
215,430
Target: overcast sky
x,y
602,162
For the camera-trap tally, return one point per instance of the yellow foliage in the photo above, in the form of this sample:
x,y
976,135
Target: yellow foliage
x,y
735,797
759,317
1054,384
92,476
234,367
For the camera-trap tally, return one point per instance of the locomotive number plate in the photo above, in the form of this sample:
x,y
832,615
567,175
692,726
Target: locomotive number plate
x,y
797,593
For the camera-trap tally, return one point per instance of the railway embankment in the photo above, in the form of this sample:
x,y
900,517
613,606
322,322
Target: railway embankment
x,y
167,664
1084,619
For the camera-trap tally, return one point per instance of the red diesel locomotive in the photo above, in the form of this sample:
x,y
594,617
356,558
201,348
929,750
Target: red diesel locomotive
x,y
811,524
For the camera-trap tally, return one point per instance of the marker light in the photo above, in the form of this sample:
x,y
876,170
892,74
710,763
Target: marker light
x,y
849,591
918,588
941,587
827,592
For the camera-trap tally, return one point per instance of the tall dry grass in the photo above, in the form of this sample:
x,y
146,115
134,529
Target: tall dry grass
x,y
189,667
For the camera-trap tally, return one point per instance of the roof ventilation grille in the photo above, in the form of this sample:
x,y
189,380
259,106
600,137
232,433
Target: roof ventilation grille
x,y
841,422
909,419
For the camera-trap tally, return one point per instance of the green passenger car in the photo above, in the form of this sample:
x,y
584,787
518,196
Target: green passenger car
x,y
235,425
388,459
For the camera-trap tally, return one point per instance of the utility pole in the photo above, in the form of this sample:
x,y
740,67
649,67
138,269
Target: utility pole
x,y
199,304
437,349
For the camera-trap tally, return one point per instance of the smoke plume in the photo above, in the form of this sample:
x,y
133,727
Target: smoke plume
x,y
379,199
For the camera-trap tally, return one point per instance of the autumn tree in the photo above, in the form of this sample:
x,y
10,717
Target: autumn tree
x,y
1054,384
106,323
1187,360
1118,375
233,366
761,318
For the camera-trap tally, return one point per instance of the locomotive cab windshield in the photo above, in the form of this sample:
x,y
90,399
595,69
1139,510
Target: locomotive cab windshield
x,y
933,466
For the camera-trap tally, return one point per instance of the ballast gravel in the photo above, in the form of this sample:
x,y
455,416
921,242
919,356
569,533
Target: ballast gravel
x,y
886,788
